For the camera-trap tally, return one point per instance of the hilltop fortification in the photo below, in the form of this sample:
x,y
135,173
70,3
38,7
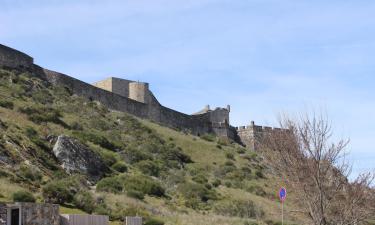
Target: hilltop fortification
x,y
137,99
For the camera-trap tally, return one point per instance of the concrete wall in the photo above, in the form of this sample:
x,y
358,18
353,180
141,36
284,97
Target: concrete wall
x,y
12,58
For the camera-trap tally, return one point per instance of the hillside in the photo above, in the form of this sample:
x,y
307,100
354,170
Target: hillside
x,y
161,174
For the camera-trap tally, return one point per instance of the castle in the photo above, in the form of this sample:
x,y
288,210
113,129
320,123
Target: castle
x,y
137,99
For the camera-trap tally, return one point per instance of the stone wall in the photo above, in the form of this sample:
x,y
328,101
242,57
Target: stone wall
x,y
197,124
115,85
252,136
126,96
40,214
31,213
3,214
109,99
12,58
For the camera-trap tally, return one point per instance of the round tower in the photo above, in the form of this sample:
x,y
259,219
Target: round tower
x,y
139,91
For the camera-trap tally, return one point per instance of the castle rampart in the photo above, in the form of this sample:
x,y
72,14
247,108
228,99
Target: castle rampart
x,y
139,92
12,58
137,99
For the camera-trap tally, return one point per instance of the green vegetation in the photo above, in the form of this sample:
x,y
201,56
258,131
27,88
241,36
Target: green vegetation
x,y
23,196
163,175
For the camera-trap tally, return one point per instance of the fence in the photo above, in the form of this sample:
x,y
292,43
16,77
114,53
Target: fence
x,y
133,221
84,220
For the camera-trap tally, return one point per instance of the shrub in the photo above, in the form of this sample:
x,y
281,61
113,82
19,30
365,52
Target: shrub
x,y
76,126
135,194
239,208
228,184
43,114
216,183
30,173
56,193
120,167
149,167
257,190
259,174
229,155
241,150
144,184
110,184
109,158
42,96
154,221
195,194
23,196
200,178
63,190
84,200
96,139
6,104
208,137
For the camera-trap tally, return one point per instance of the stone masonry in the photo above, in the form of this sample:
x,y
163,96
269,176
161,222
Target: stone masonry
x,y
137,99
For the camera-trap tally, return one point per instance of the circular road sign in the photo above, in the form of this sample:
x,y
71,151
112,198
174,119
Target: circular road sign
x,y
282,194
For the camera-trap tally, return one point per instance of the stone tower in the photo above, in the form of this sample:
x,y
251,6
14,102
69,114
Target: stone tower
x,y
139,92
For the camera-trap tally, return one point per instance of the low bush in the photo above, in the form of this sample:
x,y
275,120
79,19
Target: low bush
x,y
96,139
23,196
63,191
149,167
135,194
84,200
255,189
110,184
239,208
43,114
229,155
130,183
208,137
120,167
143,184
30,173
153,221
6,104
195,194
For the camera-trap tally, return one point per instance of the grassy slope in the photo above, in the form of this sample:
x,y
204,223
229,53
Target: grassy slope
x,y
208,156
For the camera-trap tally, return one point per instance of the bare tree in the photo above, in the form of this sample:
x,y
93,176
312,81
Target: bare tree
x,y
315,167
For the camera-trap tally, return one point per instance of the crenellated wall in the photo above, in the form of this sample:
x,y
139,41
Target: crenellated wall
x,y
136,98
252,135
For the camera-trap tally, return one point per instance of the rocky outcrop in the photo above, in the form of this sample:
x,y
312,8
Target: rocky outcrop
x,y
78,158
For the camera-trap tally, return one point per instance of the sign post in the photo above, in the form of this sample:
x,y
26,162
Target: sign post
x,y
282,196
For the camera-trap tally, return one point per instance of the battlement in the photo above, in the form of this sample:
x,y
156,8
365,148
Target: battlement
x,y
257,128
136,98
252,135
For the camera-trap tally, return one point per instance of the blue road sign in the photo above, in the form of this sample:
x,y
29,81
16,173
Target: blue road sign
x,y
282,194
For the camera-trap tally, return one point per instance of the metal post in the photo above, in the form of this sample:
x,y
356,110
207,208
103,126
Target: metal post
x,y
282,213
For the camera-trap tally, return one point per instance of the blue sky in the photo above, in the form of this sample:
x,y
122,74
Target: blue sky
x,y
262,57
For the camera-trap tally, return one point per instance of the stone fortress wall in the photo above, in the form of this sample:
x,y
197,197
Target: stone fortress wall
x,y
137,99
11,58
